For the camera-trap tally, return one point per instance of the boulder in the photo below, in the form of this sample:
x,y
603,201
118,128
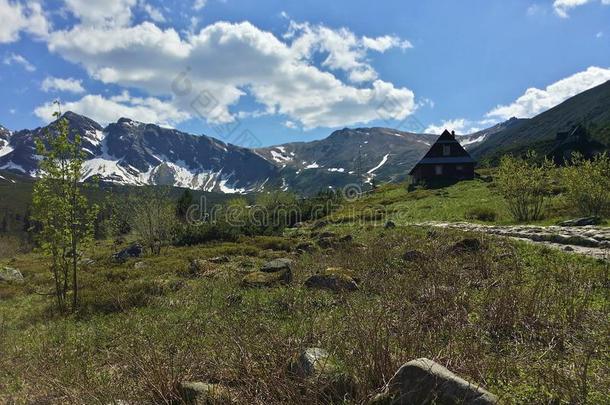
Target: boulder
x,y
134,250
140,266
199,393
414,256
276,265
263,279
390,225
424,381
468,245
326,243
320,369
335,279
586,221
10,274
219,259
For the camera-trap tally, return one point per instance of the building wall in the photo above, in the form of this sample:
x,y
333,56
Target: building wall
x,y
463,171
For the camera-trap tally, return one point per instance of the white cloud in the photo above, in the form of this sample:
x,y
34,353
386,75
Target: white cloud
x,y
563,6
107,110
199,4
18,16
154,13
382,44
15,58
102,12
534,101
229,61
69,85
461,126
345,51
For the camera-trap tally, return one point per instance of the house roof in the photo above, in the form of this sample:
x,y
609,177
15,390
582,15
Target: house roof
x,y
459,155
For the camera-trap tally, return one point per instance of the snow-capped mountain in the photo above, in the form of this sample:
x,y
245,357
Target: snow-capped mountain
x,y
382,154
134,153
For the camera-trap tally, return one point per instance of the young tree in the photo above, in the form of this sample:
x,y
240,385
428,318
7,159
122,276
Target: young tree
x,y
184,203
525,184
153,218
62,212
587,184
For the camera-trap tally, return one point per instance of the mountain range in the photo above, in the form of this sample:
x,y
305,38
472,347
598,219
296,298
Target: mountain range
x,y
134,153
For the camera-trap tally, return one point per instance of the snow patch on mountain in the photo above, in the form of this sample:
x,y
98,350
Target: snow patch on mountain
x,y
383,162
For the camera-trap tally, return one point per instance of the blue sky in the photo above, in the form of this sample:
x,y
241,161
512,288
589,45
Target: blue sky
x,y
262,72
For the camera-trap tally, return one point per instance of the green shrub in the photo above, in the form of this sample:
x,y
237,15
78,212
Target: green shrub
x,y
525,184
485,214
587,184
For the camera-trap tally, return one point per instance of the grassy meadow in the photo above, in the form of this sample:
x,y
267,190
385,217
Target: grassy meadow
x,y
528,323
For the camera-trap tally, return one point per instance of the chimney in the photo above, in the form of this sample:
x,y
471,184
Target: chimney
x,y
453,133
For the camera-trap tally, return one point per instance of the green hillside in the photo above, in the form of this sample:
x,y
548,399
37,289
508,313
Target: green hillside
x,y
590,109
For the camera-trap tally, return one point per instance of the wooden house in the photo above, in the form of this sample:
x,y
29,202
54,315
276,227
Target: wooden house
x,y
446,160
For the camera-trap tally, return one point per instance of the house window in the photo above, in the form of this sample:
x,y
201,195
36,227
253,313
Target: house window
x,y
459,168
438,170
446,150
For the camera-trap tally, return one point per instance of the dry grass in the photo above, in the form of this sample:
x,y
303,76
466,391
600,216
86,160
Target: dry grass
x,y
527,323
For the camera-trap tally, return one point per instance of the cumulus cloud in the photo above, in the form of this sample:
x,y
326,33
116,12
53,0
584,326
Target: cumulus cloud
x,y
534,101
153,12
17,17
68,85
562,7
461,126
106,110
15,58
102,12
225,61
345,51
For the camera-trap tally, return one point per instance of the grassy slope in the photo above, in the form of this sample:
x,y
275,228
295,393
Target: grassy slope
x,y
528,323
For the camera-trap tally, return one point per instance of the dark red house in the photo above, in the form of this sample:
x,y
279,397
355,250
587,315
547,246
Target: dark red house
x,y
446,160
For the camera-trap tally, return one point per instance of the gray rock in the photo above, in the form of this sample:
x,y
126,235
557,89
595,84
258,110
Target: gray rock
x,y
390,225
424,381
10,274
276,265
134,250
140,265
468,245
263,279
334,279
586,221
319,368
199,393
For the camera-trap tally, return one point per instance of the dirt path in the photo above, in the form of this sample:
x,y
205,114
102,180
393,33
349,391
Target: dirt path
x,y
592,241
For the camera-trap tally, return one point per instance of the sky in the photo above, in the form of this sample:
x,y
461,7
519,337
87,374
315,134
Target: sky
x,y
265,72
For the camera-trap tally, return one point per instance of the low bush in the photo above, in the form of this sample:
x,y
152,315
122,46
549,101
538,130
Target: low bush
x,y
484,214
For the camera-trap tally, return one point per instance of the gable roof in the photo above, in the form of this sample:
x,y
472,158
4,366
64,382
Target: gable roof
x,y
459,155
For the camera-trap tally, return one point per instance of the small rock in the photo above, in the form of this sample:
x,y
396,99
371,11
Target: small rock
x,y
134,250
10,274
414,256
334,279
305,247
424,381
199,393
276,265
262,279
468,245
326,243
586,221
86,262
390,225
319,224
140,266
219,259
318,367
298,225
568,249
